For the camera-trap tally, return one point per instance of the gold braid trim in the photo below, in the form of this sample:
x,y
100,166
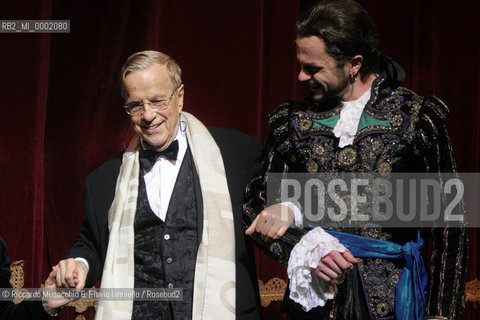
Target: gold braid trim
x,y
17,281
473,291
17,276
273,290
82,305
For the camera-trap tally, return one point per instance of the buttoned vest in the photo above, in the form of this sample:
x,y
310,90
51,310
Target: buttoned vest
x,y
165,251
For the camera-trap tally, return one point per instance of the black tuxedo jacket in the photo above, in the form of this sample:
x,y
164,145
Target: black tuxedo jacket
x,y
241,155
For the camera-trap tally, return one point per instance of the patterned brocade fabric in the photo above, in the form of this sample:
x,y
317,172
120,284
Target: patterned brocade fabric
x,y
399,131
165,252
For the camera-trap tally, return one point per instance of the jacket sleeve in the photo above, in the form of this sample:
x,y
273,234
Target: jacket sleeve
x,y
258,196
92,240
87,245
448,263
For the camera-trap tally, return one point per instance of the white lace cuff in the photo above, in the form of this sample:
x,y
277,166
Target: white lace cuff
x,y
306,288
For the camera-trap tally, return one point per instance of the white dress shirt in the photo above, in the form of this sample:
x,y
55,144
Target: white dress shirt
x,y
160,181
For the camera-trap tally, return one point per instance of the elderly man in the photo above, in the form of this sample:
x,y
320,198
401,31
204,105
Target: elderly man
x,y
356,120
167,212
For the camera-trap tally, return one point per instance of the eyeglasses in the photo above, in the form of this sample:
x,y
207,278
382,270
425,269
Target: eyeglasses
x,y
136,108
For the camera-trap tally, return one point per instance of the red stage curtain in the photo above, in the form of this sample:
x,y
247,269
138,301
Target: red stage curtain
x,y
62,116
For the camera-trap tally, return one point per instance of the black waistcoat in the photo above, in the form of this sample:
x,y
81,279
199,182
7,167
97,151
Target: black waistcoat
x,y
165,252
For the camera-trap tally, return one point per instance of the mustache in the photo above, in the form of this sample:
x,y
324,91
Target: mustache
x,y
315,85
325,103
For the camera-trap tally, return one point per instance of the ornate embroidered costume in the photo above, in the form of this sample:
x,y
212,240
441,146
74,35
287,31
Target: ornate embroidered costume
x,y
398,131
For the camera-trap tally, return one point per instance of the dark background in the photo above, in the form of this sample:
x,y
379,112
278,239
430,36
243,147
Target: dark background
x,y
61,114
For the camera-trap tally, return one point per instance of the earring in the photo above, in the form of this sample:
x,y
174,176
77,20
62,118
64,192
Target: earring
x,y
352,77
183,126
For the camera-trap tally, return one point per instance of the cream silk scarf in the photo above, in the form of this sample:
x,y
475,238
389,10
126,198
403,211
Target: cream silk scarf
x,y
214,284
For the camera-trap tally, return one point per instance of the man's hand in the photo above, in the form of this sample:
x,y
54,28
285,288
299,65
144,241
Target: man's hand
x,y
57,301
71,274
272,222
334,264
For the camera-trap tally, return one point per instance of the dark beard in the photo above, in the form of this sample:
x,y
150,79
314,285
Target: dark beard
x,y
330,99
325,103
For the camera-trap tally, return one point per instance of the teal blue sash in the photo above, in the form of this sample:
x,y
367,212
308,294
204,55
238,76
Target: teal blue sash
x,y
410,301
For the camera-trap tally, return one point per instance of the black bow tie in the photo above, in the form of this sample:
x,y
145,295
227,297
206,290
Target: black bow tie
x,y
149,157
